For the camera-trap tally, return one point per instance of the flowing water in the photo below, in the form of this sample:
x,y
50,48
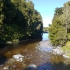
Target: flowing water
x,y
35,55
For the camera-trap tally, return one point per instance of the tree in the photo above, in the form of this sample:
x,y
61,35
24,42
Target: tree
x,y
19,20
56,31
59,31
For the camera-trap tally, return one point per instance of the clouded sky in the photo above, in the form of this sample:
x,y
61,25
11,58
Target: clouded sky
x,y
47,8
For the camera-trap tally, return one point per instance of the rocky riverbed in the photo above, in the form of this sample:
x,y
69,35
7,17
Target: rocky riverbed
x,y
47,46
35,56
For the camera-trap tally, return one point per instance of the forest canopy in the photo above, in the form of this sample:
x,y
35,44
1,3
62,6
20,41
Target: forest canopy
x,y
59,31
19,20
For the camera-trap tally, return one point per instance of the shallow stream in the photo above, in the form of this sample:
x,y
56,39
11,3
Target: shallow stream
x,y
34,55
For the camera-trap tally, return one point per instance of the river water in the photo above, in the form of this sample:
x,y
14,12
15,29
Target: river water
x,y
45,36
33,55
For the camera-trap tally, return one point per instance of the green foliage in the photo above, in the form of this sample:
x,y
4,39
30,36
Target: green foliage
x,y
66,48
58,11
45,28
19,20
57,31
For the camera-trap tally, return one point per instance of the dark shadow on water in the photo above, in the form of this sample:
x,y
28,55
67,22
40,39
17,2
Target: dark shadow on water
x,y
51,66
29,68
25,42
3,59
2,46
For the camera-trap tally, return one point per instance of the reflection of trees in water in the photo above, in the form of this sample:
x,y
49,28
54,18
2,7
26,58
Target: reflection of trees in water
x,y
3,59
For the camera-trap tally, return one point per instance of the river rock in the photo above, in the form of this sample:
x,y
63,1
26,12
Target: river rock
x,y
65,56
6,68
8,42
18,57
33,66
57,51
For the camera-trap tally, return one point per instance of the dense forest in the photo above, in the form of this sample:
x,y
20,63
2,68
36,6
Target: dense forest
x,y
19,20
59,30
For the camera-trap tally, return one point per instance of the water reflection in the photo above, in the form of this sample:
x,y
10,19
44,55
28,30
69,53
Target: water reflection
x,y
51,66
45,36
34,54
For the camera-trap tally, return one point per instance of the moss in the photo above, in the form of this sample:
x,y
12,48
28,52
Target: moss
x,y
68,44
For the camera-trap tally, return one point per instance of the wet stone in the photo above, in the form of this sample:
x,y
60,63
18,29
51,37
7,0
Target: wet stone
x,y
31,67
6,68
18,57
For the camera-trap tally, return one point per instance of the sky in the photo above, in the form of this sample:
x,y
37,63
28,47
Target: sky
x,y
47,8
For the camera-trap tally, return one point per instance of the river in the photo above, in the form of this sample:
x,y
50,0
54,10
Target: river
x,y
45,36
33,55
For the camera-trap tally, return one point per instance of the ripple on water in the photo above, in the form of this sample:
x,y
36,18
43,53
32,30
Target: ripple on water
x,y
37,53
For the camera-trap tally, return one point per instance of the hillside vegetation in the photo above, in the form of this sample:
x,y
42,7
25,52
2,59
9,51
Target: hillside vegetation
x,y
19,20
59,31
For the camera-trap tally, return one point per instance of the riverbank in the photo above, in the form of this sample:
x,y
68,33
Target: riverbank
x,y
35,55
43,46
17,41
57,50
